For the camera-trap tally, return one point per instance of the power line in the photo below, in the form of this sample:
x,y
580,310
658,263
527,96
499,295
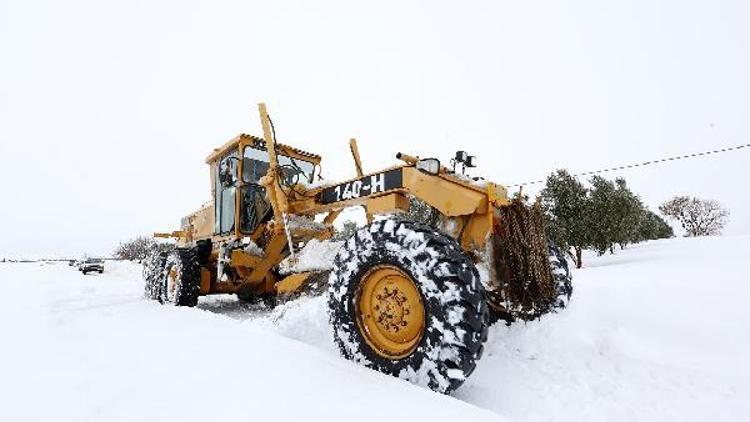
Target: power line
x,y
643,164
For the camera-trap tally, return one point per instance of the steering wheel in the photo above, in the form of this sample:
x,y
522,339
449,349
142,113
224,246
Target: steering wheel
x,y
290,175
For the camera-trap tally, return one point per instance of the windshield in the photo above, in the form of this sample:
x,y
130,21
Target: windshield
x,y
255,165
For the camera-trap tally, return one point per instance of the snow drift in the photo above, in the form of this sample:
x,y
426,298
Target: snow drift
x,y
656,332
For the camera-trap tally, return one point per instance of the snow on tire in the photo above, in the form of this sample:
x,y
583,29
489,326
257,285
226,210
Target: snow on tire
x,y
560,275
153,273
453,298
181,278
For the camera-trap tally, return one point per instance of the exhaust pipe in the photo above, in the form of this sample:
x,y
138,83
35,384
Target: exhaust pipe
x,y
407,158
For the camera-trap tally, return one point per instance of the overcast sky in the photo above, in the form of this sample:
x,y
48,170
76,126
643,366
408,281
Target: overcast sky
x,y
108,109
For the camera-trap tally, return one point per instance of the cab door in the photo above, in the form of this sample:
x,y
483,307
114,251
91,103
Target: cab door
x,y
225,193
255,208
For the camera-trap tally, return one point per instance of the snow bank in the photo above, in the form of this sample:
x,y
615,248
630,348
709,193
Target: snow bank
x,y
89,348
656,332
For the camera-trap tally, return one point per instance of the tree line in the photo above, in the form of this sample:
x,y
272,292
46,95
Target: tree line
x,y
608,214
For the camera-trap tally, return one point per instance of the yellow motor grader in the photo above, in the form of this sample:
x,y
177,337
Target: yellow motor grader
x,y
409,298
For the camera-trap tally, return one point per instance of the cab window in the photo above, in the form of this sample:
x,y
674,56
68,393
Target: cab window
x,y
225,194
256,163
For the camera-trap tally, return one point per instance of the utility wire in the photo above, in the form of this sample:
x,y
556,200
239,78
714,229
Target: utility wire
x,y
643,164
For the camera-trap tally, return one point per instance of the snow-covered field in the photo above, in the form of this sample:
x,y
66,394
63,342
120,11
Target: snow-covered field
x,y
656,332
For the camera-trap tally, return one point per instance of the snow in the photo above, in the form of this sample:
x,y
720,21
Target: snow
x,y
472,180
656,332
319,184
251,247
89,348
301,222
316,255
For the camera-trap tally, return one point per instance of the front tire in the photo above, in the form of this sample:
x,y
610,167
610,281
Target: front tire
x,y
182,277
405,300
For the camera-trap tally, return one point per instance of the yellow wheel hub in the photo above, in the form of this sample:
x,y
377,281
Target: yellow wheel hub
x,y
390,312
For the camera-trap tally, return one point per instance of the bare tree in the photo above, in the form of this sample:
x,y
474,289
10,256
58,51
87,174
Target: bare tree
x,y
699,217
140,248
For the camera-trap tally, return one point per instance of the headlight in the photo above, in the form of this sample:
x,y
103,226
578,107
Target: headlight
x,y
429,165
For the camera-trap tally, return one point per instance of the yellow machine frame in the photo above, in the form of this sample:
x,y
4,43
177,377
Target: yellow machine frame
x,y
468,205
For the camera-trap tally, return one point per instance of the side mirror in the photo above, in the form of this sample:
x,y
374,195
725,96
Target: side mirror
x,y
429,165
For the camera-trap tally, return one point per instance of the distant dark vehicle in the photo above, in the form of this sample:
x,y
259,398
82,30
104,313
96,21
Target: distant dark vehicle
x,y
72,262
92,265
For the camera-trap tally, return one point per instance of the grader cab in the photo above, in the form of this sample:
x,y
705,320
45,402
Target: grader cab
x,y
409,298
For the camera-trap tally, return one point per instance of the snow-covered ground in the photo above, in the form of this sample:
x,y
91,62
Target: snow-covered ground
x,y
656,332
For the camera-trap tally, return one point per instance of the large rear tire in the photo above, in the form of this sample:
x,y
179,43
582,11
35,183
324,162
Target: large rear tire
x,y
560,275
563,289
405,300
153,274
181,278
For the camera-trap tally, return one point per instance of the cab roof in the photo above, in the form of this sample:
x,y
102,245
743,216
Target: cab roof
x,y
260,143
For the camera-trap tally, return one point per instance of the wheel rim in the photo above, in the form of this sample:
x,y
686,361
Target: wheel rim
x,y
171,283
390,312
